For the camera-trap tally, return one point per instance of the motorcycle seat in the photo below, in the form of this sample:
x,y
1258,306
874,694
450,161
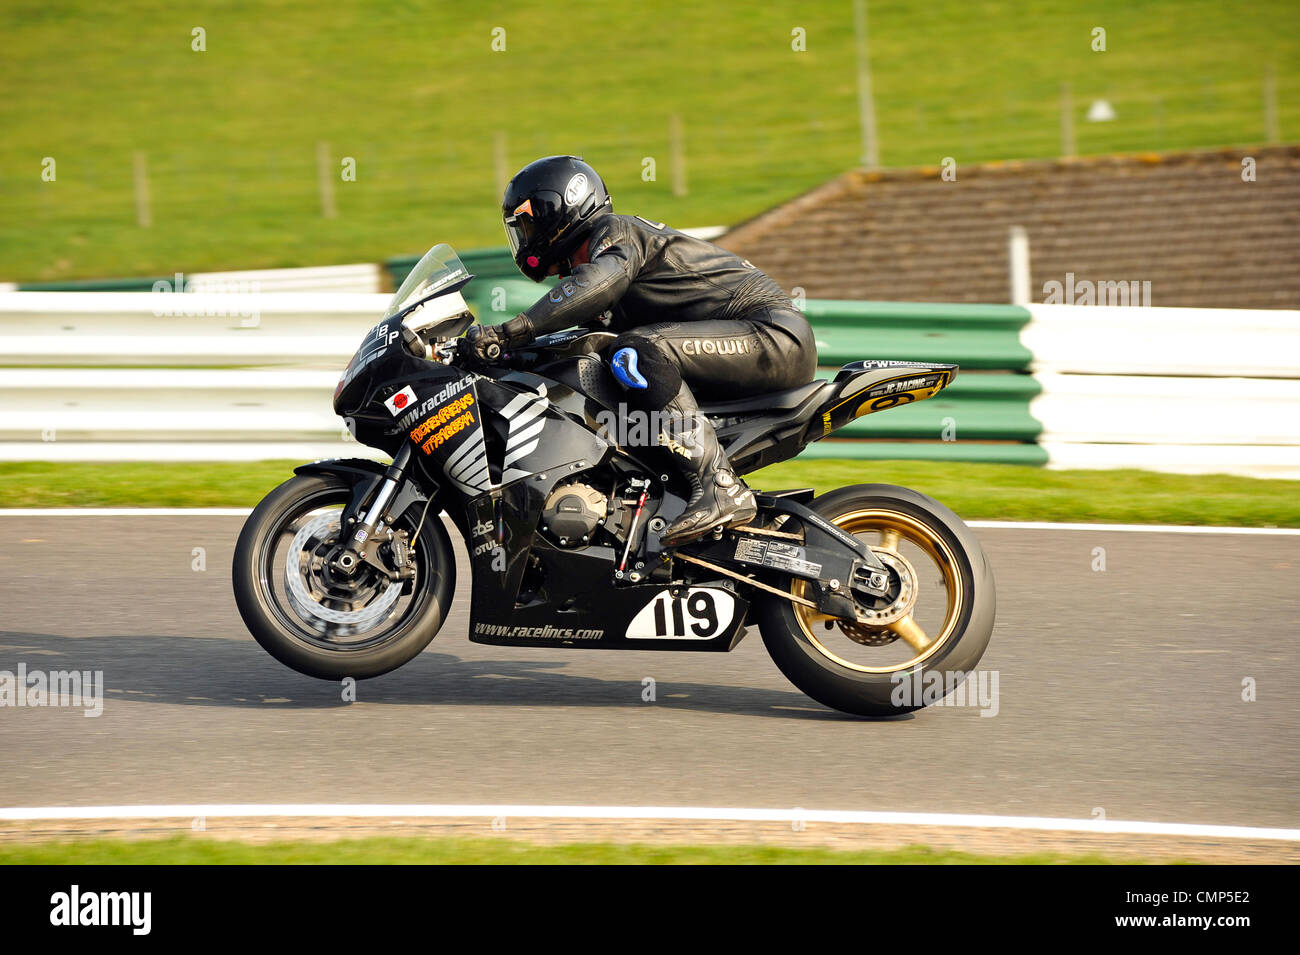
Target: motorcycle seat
x,y
772,401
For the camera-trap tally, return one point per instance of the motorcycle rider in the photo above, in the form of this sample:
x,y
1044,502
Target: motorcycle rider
x,y
693,320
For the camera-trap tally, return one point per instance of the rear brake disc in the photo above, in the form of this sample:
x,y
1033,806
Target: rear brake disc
x,y
872,632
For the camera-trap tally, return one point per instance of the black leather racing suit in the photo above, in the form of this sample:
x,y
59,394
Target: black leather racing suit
x,y
728,328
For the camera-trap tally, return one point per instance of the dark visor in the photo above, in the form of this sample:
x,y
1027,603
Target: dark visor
x,y
528,217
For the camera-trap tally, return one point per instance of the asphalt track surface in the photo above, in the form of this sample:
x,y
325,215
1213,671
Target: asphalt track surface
x,y
1120,690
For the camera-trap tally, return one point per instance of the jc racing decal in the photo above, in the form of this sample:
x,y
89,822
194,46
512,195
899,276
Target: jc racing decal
x,y
700,613
899,391
887,394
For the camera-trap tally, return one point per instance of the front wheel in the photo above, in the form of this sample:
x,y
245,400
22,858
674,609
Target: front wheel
x,y
937,619
319,622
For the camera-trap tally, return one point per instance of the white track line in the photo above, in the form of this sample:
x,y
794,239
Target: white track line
x,y
1133,528
125,511
990,525
427,811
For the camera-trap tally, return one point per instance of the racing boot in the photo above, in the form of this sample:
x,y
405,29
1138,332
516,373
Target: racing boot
x,y
718,497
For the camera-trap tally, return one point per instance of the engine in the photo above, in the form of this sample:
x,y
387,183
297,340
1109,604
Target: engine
x,y
572,514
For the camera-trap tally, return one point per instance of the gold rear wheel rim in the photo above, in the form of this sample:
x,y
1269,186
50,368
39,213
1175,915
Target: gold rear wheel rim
x,y
894,527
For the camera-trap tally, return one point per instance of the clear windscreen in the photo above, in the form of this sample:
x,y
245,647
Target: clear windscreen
x,y
439,268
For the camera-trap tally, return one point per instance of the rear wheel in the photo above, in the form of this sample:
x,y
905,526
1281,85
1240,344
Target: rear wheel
x,y
322,623
937,618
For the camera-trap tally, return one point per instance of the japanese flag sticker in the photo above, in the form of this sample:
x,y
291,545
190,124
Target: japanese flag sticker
x,y
400,401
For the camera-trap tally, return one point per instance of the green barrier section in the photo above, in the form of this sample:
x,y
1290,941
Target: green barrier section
x,y
493,263
976,407
500,300
498,292
1029,454
974,336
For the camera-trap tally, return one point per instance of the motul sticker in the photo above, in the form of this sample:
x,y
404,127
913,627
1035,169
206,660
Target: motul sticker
x,y
400,401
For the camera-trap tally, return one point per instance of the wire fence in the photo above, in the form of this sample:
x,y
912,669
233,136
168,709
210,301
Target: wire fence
x,y
456,173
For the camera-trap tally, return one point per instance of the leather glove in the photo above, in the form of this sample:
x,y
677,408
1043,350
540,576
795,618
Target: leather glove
x,y
489,342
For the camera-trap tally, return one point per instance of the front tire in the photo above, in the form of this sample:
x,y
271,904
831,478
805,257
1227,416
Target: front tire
x,y
329,632
880,680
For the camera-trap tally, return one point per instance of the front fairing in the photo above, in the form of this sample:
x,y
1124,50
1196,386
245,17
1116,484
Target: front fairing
x,y
429,303
384,386
475,431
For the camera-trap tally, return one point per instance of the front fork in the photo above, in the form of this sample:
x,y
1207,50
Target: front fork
x,y
364,542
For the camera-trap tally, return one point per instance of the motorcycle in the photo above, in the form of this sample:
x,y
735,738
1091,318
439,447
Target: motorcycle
x,y
347,569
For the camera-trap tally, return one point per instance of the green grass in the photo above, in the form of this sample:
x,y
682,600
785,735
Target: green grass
x,y
416,95
187,850
1015,493
974,491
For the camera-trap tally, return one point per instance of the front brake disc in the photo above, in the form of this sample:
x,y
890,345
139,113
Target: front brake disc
x,y
315,614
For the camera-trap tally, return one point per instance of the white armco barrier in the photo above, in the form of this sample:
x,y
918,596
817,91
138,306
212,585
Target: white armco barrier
x,y
81,405
1119,340
1257,461
1181,390
1129,409
178,328
362,278
197,450
1186,390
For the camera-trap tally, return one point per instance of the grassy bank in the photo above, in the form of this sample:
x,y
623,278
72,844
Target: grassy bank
x,y
227,124
187,850
974,491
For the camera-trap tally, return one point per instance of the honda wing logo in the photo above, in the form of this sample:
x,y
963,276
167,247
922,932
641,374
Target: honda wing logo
x,y
468,464
524,414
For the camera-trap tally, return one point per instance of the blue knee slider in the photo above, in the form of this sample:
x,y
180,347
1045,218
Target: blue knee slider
x,y
625,370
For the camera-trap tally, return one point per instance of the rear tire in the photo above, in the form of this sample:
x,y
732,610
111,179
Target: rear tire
x,y
843,685
273,624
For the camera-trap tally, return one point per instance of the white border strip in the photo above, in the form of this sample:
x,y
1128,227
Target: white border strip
x,y
429,811
1135,528
990,525
125,511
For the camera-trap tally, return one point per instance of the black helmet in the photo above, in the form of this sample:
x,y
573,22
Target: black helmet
x,y
549,209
